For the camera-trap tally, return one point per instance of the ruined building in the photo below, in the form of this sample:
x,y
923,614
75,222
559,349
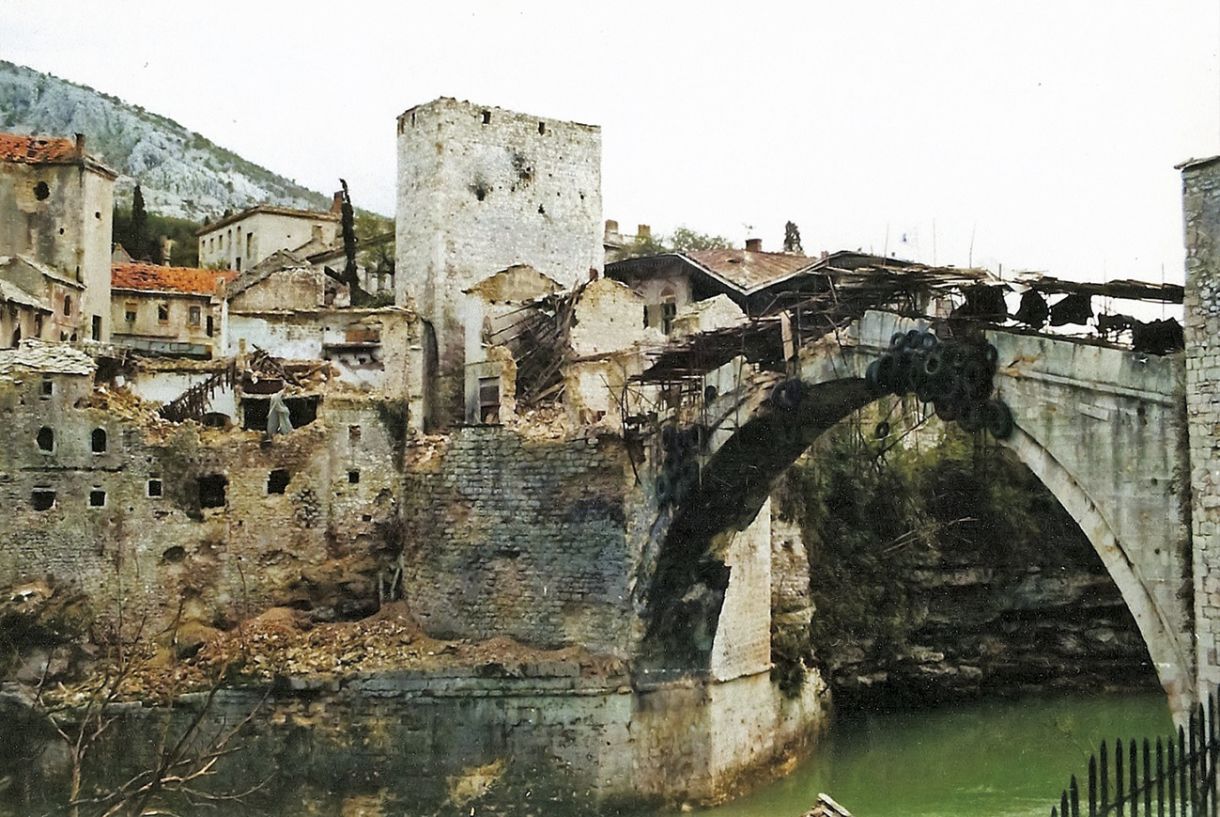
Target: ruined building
x,y
57,203
241,240
480,190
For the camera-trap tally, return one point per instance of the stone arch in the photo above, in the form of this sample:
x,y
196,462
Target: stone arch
x,y
688,585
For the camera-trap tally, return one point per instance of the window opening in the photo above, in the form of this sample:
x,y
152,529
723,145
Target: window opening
x,y
489,399
41,191
277,481
97,498
43,499
48,389
353,477
195,315
154,488
212,490
163,313
97,327
46,439
98,441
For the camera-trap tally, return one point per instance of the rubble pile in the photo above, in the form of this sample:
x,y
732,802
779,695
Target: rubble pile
x,y
284,643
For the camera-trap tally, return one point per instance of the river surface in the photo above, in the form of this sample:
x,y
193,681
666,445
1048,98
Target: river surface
x,y
1006,758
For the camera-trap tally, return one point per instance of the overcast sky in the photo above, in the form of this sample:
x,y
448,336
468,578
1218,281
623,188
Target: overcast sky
x,y
1037,135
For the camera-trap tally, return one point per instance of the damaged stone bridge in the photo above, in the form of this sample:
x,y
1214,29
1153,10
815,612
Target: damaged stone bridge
x,y
1102,427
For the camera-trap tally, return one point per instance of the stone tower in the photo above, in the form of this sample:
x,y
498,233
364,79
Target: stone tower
x,y
481,189
1201,307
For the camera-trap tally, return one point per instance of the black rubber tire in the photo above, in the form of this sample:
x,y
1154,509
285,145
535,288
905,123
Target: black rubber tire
x,y
933,363
991,355
888,370
896,341
999,419
710,393
972,417
946,410
882,430
928,341
912,341
872,378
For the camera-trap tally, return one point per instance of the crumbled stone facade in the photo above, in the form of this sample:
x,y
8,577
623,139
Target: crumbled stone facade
x,y
1201,191
481,189
178,523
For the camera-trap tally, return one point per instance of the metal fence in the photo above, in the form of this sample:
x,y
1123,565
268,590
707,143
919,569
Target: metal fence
x,y
1175,776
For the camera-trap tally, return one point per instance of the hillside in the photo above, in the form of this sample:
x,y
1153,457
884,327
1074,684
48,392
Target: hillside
x,y
181,173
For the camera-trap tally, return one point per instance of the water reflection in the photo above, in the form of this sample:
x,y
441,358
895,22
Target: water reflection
x,y
1005,758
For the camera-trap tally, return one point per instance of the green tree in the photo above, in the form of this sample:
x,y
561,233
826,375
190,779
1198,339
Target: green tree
x,y
682,239
137,239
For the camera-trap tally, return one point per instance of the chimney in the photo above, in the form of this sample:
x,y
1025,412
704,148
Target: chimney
x,y
611,227
643,231
336,202
80,145
754,245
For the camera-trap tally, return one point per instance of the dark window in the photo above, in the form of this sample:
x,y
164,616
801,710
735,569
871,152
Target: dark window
x,y
301,411
48,388
97,498
353,434
542,127
38,325
67,304
277,481
163,313
212,490
668,311
130,313
195,316
97,327
46,439
353,477
210,327
489,399
239,263
98,441
43,499
486,117
155,488
41,191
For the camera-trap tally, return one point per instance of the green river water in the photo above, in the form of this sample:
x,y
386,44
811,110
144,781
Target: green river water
x,y
1005,758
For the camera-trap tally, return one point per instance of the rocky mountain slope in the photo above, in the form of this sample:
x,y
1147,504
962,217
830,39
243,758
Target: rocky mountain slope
x,y
181,173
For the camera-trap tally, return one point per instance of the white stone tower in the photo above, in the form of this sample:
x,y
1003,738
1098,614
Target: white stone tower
x,y
481,189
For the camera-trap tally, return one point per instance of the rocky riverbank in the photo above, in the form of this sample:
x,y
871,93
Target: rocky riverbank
x,y
945,571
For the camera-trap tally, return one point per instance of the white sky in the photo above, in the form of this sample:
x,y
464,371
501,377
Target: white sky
x,y
1043,132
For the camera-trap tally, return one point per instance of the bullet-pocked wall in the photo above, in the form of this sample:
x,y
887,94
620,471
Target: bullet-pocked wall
x,y
481,189
186,524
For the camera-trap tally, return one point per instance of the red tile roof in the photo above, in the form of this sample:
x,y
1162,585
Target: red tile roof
x,y
37,150
150,277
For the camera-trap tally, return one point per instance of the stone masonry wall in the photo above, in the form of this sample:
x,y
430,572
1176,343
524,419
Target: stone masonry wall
x,y
320,544
507,536
1201,201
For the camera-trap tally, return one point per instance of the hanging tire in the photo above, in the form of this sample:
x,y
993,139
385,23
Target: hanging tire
x,y
888,369
787,395
946,410
933,363
896,340
912,341
991,355
710,393
928,341
972,417
999,419
872,378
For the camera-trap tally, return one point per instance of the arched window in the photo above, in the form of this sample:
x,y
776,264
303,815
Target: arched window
x,y
67,304
669,308
99,441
